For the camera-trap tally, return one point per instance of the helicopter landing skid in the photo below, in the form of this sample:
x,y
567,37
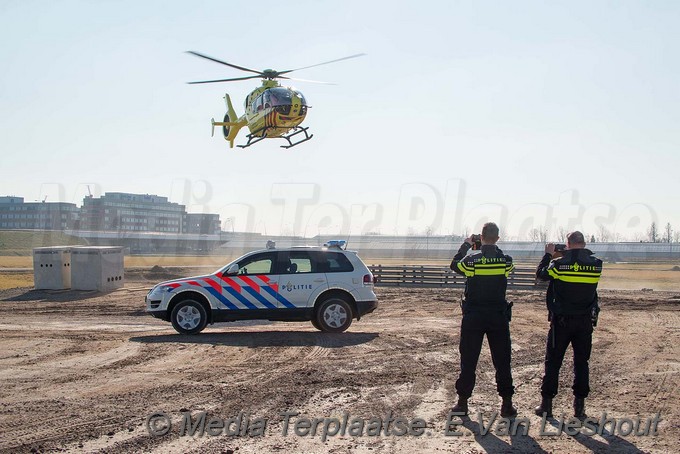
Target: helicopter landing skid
x,y
297,130
253,139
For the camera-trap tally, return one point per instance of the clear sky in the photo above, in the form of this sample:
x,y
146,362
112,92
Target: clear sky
x,y
528,113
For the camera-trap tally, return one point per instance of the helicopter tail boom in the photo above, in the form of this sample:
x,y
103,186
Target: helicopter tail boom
x,y
232,131
231,124
222,123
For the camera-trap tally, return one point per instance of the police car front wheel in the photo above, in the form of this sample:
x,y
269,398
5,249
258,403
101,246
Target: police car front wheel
x,y
334,315
189,317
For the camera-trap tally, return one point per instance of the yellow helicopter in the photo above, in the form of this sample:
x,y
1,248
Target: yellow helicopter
x,y
271,111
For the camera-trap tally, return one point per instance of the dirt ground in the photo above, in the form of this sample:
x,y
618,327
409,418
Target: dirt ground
x,y
81,371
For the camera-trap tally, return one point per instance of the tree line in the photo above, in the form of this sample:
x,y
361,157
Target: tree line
x,y
603,235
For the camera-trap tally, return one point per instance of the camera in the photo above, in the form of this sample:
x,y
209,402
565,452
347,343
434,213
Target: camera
x,y
559,250
476,242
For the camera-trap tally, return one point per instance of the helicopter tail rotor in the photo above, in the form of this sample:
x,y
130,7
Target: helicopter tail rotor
x,y
231,124
230,129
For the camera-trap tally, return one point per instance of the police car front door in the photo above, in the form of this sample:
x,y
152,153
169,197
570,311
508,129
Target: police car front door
x,y
299,281
254,287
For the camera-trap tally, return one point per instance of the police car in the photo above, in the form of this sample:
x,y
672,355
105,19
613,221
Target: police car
x,y
327,285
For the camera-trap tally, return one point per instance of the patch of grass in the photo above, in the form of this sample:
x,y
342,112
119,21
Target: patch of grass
x,y
627,276
14,280
15,261
630,278
22,242
184,261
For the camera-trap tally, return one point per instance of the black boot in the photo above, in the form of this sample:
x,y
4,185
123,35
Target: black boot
x,y
545,408
507,410
461,406
580,408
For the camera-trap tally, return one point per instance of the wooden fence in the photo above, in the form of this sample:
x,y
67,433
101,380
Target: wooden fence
x,y
438,276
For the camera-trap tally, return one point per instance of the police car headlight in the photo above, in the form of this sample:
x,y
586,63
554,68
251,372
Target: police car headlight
x,y
157,291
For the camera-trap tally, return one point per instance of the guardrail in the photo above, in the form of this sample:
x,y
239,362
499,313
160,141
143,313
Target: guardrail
x,y
438,276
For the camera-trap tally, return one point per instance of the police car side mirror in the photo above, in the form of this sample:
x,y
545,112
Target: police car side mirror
x,y
232,270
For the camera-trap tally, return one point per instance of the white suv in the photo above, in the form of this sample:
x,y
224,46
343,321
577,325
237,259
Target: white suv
x,y
325,285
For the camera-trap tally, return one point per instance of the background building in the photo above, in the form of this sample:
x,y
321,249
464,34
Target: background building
x,y
17,214
113,212
143,223
120,211
205,224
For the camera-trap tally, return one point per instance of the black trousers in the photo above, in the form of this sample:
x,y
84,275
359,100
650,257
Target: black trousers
x,y
472,330
576,330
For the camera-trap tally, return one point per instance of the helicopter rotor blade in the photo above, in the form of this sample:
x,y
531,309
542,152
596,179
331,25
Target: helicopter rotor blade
x,y
324,63
223,62
307,80
223,80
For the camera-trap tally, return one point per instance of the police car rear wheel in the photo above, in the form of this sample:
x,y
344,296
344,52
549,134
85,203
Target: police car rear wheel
x,y
189,317
334,315
316,325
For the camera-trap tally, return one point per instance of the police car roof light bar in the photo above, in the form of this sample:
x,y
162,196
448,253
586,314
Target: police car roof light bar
x,y
339,244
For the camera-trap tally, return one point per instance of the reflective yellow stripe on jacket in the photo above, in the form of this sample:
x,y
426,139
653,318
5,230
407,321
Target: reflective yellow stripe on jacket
x,y
491,269
578,277
469,272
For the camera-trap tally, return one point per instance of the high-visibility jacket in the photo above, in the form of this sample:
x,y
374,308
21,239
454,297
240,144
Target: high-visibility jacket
x,y
487,273
574,278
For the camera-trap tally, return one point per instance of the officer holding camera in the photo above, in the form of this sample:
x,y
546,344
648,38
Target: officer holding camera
x,y
573,272
485,312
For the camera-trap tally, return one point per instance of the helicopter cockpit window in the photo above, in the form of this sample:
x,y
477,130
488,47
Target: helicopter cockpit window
x,y
257,104
302,98
280,97
266,99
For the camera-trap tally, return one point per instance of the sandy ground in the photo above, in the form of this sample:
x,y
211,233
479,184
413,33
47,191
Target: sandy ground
x,y
81,371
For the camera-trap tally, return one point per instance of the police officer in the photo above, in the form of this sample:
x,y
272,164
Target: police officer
x,y
573,310
485,311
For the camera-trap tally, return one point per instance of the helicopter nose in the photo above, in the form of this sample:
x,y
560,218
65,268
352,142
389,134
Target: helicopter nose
x,y
284,109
